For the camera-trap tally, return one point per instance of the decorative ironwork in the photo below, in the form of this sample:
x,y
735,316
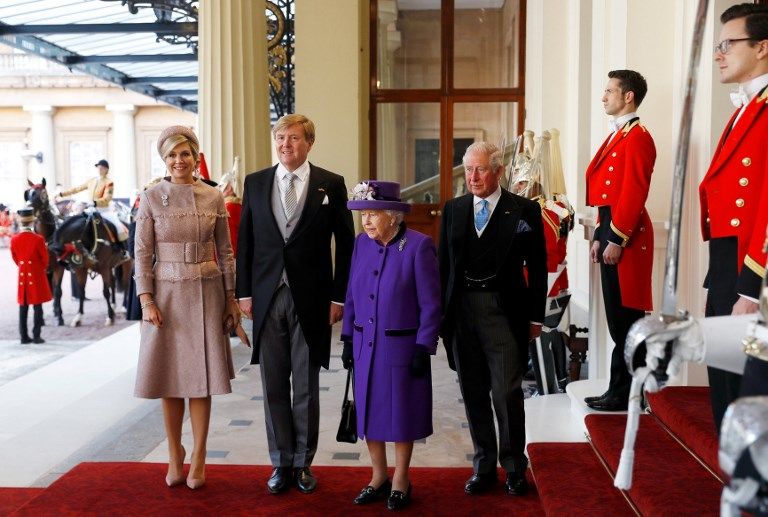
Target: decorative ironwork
x,y
168,11
280,47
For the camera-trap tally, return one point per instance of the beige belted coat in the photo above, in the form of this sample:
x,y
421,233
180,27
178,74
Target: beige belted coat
x,y
183,230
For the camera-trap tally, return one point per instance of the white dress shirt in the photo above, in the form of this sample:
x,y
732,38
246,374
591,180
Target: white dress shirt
x,y
750,88
299,185
618,123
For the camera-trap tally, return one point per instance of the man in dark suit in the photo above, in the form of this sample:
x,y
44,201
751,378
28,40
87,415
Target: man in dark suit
x,y
287,283
488,239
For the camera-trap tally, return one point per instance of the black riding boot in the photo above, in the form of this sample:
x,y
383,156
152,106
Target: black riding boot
x,y
37,323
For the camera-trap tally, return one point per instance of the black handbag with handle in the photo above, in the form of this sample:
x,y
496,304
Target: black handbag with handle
x,y
348,426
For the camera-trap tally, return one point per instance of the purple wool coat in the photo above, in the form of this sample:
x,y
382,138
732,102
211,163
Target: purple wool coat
x,y
392,307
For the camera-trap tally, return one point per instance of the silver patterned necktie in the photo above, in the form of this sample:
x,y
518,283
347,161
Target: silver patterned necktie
x,y
289,195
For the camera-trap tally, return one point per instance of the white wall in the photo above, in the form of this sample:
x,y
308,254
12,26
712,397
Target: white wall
x,y
331,74
572,45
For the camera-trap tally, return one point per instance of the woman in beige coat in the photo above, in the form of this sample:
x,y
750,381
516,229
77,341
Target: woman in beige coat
x,y
185,277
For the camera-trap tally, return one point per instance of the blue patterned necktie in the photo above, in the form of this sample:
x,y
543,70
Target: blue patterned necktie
x,y
481,217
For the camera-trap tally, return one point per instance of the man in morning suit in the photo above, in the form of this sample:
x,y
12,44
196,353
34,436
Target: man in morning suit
x,y
286,281
618,179
733,193
488,238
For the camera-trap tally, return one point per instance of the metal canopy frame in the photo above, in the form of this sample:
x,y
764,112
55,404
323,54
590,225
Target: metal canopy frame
x,y
62,32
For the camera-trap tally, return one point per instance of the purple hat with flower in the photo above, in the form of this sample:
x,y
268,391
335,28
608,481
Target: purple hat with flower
x,y
377,195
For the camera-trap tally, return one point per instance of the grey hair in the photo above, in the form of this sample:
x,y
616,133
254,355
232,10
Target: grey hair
x,y
397,215
493,152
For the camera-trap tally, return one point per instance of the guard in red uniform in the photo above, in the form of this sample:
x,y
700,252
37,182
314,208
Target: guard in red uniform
x,y
734,191
618,179
31,255
231,186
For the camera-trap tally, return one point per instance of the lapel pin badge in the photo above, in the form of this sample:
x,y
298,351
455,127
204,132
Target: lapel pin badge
x,y
401,244
164,197
321,189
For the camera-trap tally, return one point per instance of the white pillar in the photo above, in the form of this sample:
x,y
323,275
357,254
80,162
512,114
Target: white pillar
x,y
42,141
234,97
122,161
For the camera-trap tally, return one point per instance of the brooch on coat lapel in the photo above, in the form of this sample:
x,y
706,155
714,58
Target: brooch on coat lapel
x,y
401,244
164,197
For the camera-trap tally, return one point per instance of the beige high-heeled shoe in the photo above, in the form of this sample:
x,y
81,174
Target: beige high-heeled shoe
x,y
175,481
195,483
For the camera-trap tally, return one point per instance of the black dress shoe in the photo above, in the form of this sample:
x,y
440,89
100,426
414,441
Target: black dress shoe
x,y
398,500
25,341
516,484
590,400
370,494
610,403
38,340
305,481
480,483
279,480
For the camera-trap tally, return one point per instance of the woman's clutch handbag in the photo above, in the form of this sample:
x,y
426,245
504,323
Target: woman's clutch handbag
x,y
348,426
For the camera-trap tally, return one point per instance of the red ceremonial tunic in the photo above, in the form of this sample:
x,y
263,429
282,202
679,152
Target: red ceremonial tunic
x,y
30,253
234,206
619,176
734,193
556,247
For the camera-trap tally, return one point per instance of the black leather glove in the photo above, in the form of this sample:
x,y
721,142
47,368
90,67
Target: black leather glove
x,y
346,355
420,363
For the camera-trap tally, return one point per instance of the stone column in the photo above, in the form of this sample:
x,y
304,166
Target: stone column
x,y
122,161
233,100
42,141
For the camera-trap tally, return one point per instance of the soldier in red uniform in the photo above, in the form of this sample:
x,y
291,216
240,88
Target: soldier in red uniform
x,y
231,186
31,255
618,179
733,193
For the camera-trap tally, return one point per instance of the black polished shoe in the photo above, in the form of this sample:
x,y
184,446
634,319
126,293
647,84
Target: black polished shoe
x,y
590,400
305,481
279,480
610,403
398,500
516,484
25,340
38,340
480,483
370,494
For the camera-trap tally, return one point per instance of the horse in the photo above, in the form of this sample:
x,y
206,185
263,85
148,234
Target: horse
x,y
79,243
83,242
47,219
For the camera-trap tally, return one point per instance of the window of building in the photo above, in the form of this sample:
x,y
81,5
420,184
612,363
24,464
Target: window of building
x,y
444,74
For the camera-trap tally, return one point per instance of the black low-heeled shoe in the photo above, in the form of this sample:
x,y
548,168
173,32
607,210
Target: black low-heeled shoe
x,y
399,500
370,494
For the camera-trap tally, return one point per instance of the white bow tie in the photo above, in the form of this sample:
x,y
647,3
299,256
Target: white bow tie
x,y
739,98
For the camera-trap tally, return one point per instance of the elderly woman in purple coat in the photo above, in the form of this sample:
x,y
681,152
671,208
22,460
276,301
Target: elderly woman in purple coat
x,y
391,321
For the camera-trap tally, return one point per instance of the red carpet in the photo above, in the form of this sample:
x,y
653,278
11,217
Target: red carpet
x,y
667,480
572,482
13,498
687,412
139,488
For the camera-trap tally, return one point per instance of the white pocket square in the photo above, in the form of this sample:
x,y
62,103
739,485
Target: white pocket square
x,y
325,200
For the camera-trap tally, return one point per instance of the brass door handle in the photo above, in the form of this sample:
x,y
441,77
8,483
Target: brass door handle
x,y
436,213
